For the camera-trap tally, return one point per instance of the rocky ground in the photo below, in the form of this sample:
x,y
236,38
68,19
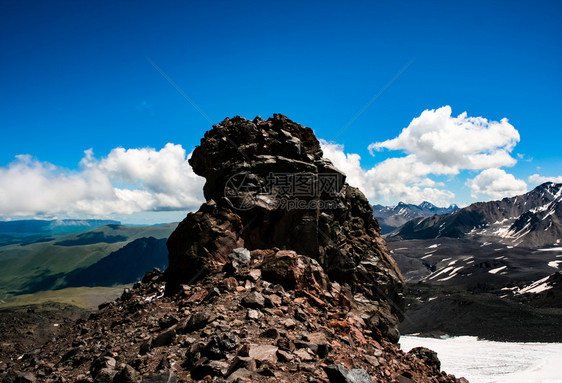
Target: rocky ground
x,y
27,327
271,317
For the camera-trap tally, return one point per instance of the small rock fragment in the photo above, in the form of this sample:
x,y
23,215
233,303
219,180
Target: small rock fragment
x,y
253,300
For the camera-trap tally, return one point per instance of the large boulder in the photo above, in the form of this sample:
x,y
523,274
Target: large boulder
x,y
269,186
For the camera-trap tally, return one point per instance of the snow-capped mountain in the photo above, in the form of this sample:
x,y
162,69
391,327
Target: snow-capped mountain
x,y
533,220
391,217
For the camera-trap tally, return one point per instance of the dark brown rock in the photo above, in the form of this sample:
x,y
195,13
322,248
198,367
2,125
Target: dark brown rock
x,y
165,338
105,375
253,300
239,362
202,243
196,321
428,356
101,363
126,375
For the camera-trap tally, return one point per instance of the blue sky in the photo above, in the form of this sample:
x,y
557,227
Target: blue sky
x,y
77,75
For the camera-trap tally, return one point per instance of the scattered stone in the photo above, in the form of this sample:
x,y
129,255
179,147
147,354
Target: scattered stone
x,y
271,333
230,283
372,360
428,356
167,321
263,352
126,375
145,347
339,374
253,300
253,314
284,356
101,363
255,274
239,362
300,315
105,375
273,300
240,255
164,339
84,379
290,324
304,355
197,321
219,345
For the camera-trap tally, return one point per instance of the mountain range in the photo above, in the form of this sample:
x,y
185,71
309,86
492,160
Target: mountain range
x,y
531,220
35,230
494,266
392,217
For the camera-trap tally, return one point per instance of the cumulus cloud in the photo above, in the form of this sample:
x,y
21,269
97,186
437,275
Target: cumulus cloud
x,y
496,183
126,181
453,143
435,143
537,179
391,180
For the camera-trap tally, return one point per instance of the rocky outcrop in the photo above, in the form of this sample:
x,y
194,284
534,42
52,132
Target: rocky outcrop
x,y
268,186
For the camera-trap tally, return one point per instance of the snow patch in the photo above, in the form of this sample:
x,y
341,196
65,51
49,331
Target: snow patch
x,y
453,274
494,271
554,264
445,270
535,287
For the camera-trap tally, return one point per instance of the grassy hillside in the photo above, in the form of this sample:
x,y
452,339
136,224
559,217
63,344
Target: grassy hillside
x,y
40,266
88,298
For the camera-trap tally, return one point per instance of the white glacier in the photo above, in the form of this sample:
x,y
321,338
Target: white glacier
x,y
482,361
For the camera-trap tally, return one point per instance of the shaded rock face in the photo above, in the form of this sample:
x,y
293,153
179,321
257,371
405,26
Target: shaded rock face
x,y
269,187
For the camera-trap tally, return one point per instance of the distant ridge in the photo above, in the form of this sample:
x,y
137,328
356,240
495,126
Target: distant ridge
x,y
533,220
391,218
36,230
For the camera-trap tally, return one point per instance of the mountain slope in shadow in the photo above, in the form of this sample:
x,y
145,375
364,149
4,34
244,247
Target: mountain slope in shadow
x,y
126,265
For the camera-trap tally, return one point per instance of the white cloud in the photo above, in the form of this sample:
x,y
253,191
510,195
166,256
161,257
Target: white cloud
x,y
350,164
496,183
435,143
537,179
395,179
125,182
453,143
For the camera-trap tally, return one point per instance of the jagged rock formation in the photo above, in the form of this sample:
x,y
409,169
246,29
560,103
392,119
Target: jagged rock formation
x,y
268,186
